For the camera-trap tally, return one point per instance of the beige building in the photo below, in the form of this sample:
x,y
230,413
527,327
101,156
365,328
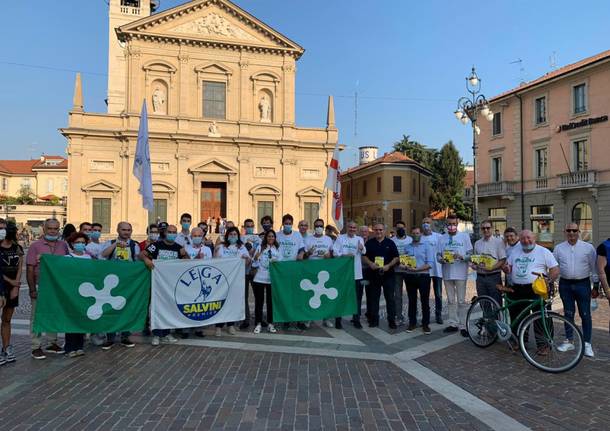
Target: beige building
x,y
544,159
220,91
45,180
387,189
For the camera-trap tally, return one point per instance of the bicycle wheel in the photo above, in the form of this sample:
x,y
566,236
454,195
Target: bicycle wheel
x,y
539,339
481,321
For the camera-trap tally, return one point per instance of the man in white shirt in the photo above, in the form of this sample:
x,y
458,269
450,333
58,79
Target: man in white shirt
x,y
251,241
184,237
351,245
452,251
577,268
489,274
402,240
436,270
523,262
291,248
303,228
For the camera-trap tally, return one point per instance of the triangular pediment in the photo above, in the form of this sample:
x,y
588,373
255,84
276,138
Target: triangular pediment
x,y
216,21
310,192
101,186
214,166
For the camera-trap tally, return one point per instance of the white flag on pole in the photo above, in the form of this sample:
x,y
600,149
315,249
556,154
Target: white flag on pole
x,y
333,184
141,163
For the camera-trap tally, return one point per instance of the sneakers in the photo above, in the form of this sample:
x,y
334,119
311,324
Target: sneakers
x,y
568,345
257,329
169,338
426,329
357,324
55,349
450,329
232,330
72,354
328,323
80,352
589,350
9,354
38,354
410,328
126,342
218,332
464,333
439,320
392,324
107,345
155,341
271,328
2,358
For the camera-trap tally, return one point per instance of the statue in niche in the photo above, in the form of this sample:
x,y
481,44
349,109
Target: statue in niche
x,y
264,106
213,130
158,101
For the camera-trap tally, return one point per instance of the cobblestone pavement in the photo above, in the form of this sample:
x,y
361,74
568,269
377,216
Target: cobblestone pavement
x,y
322,378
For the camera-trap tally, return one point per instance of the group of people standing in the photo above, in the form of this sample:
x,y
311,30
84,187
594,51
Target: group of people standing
x,y
417,262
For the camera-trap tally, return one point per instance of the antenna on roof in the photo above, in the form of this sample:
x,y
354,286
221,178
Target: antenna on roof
x,y
521,70
32,149
356,111
553,60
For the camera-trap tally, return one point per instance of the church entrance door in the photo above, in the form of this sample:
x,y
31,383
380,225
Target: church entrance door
x,y
213,200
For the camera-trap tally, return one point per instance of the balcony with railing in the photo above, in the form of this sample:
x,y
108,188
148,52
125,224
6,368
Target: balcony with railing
x,y
542,183
500,188
577,179
468,193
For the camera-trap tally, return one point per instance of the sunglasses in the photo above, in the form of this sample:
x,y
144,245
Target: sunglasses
x,y
486,227
571,230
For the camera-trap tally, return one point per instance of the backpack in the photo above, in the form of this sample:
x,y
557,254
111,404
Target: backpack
x,y
132,249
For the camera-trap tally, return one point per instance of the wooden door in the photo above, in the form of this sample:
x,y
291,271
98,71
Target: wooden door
x,y
213,200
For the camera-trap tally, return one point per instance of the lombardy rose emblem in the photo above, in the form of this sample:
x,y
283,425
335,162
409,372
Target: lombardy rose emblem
x,y
201,292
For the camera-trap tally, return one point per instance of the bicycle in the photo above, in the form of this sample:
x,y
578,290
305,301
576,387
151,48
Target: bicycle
x,y
538,333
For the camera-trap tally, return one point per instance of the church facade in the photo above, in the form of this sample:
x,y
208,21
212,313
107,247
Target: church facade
x,y
219,85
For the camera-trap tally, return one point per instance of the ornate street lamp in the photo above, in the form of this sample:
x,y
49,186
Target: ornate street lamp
x,y
468,110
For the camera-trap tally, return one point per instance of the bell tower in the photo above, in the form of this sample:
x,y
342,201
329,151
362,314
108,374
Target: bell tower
x,y
121,12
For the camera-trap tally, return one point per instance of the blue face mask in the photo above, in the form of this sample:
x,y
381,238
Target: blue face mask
x,y
94,234
197,240
186,226
79,247
171,237
287,228
51,237
266,227
249,230
529,247
232,239
425,226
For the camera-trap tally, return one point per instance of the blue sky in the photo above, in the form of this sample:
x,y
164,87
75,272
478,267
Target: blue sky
x,y
408,60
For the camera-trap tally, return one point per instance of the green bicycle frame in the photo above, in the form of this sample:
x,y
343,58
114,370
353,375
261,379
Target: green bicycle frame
x,y
533,304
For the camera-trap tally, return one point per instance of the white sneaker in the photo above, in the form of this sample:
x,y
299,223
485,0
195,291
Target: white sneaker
x,y
565,346
218,332
155,341
257,329
232,330
589,350
169,338
328,323
271,328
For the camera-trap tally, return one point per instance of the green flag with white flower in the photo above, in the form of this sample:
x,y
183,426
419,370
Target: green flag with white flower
x,y
313,289
91,296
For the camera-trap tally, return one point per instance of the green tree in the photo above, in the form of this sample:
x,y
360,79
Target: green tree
x,y
25,196
448,182
418,152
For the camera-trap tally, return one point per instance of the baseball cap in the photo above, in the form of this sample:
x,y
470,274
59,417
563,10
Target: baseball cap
x,y
163,225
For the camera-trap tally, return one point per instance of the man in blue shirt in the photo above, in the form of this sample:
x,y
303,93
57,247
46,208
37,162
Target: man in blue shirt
x,y
420,258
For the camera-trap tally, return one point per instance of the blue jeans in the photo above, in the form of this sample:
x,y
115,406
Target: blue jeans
x,y
579,292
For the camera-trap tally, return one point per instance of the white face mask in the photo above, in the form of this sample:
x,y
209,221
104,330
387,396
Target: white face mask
x,y
318,230
2,234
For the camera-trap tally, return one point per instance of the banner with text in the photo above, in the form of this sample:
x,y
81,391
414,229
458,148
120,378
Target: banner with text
x,y
192,293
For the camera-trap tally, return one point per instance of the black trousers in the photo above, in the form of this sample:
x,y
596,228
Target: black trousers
x,y
377,283
418,283
525,291
260,291
246,296
359,292
74,342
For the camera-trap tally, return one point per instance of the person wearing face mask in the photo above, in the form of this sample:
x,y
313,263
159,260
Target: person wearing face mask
x,y
221,238
349,244
523,262
74,345
50,243
251,241
231,247
364,232
184,237
402,240
436,270
206,241
291,248
266,252
319,246
453,248
303,228
266,224
164,249
11,265
94,247
152,236
418,279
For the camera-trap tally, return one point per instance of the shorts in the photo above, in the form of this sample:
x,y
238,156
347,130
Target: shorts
x,y
12,303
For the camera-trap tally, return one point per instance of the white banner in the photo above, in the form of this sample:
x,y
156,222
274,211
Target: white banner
x,y
192,293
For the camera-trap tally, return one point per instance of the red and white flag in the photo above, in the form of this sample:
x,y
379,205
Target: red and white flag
x,y
334,186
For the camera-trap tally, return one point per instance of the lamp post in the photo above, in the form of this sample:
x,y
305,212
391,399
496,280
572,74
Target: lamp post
x,y
468,111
